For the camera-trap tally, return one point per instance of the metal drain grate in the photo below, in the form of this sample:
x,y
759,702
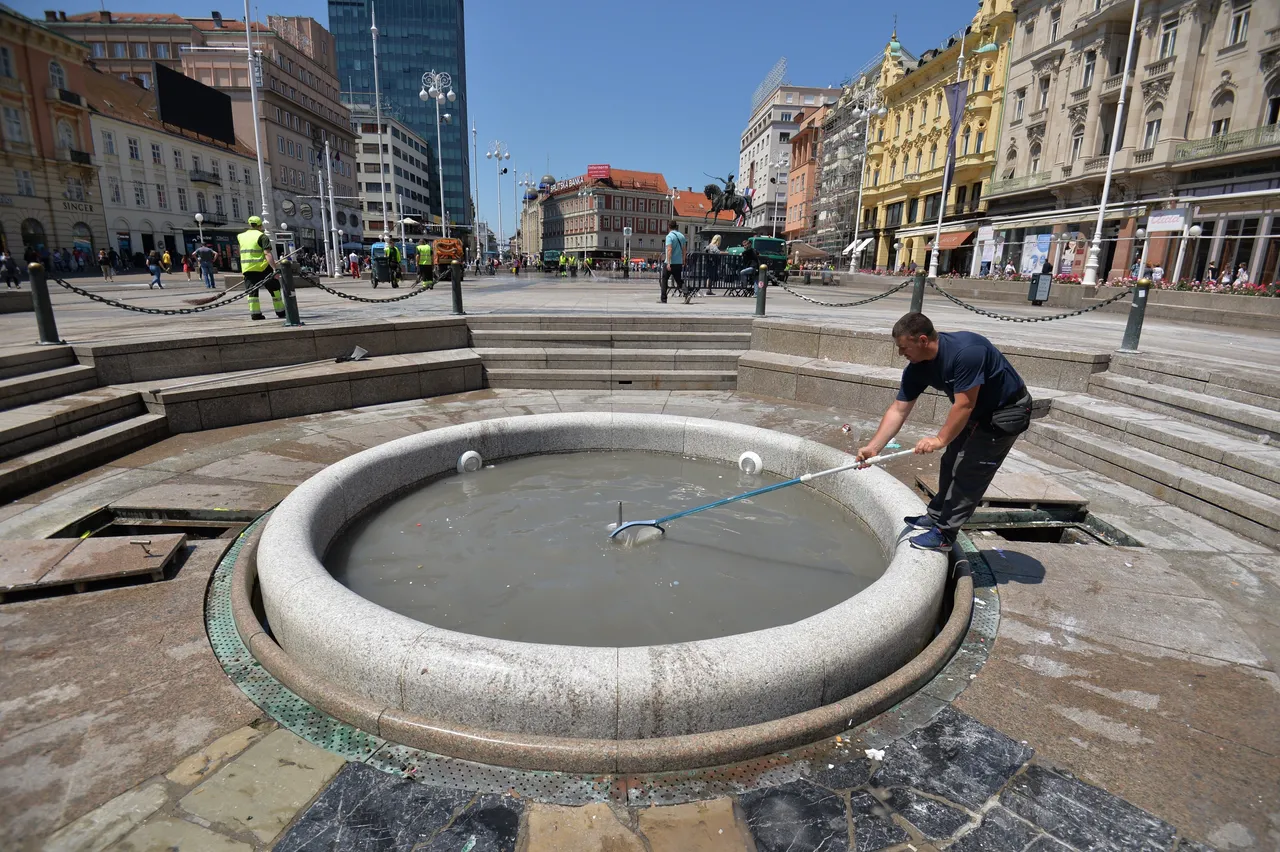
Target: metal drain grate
x,y
560,788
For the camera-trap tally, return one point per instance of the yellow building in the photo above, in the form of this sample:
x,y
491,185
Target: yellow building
x,y
907,150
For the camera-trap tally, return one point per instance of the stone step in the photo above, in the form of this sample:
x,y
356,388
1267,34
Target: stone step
x,y
1236,418
49,465
1224,379
553,322
35,359
37,387
1235,459
592,358
1225,503
606,339
43,424
251,396
611,379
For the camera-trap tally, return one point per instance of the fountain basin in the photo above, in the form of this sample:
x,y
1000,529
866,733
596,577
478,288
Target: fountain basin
x,y
575,692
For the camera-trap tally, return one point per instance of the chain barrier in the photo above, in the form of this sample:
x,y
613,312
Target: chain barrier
x,y
883,295
164,312
417,290
1007,318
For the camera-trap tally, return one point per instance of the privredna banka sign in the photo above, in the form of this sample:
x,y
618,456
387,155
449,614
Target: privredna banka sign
x,y
77,207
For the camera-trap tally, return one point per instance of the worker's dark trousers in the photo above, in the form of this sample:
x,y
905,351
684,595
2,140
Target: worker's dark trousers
x,y
968,465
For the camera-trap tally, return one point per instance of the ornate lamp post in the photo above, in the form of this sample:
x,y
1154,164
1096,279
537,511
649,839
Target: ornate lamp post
x,y
498,152
438,86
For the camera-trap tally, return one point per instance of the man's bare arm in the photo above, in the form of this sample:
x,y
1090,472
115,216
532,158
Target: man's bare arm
x,y
890,425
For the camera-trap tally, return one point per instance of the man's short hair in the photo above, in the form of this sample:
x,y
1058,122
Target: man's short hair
x,y
672,226
913,325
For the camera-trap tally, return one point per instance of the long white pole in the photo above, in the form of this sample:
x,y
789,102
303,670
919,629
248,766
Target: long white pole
x,y
498,169
444,213
862,175
1095,246
475,213
384,175
333,210
324,222
257,119
946,171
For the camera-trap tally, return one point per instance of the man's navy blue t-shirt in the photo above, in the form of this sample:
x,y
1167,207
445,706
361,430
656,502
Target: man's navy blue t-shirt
x,y
965,360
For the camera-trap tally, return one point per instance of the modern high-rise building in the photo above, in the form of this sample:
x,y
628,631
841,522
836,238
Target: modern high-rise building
x,y
414,36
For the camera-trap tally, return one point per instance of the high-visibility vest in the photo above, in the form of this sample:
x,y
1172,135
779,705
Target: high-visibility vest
x,y
252,257
424,254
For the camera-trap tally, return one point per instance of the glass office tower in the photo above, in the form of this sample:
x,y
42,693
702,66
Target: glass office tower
x,y
414,36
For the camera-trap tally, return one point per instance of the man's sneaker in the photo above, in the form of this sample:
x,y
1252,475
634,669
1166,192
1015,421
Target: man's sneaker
x,y
920,522
280,314
932,539
256,317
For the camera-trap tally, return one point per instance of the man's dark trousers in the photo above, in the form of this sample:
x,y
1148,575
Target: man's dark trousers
x,y
968,465
675,271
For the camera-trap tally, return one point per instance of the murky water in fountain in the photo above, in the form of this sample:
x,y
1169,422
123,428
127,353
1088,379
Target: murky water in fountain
x,y
520,551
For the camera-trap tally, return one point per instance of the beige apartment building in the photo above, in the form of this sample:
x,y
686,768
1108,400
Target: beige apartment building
x,y
125,44
1199,132
299,108
586,216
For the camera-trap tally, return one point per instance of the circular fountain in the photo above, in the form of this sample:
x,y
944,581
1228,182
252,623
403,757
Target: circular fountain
x,y
712,690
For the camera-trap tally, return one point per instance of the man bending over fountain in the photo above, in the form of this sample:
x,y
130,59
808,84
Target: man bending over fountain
x,y
990,408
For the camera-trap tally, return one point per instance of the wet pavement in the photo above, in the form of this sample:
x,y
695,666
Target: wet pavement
x,y
1129,700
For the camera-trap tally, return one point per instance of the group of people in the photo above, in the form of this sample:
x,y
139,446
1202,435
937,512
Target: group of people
x,y
1226,279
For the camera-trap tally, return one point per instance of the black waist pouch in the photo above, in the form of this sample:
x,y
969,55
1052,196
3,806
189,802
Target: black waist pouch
x,y
1013,418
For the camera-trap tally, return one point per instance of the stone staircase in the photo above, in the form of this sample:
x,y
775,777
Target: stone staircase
x,y
56,422
1202,437
610,353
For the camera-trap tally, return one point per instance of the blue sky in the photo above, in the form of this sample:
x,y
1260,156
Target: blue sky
x,y
656,86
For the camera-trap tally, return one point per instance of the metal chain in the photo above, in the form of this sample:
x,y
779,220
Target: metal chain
x,y
1007,318
906,283
414,292
164,312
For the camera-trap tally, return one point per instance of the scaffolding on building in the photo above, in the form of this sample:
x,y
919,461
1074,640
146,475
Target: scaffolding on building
x,y
840,152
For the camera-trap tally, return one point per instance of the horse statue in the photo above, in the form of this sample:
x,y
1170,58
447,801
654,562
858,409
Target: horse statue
x,y
726,199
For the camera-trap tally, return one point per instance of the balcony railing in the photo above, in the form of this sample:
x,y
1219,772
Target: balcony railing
x,y
1230,143
202,176
1096,164
1112,84
1081,94
1160,66
1146,155
81,157
1068,169
1017,184
212,220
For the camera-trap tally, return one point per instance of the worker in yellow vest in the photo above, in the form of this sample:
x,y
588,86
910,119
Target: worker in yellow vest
x,y
256,266
426,266
564,265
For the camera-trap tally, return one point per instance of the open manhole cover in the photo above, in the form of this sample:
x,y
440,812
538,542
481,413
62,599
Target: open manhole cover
x,y
139,521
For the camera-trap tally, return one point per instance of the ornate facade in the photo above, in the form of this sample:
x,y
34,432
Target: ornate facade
x,y
1199,131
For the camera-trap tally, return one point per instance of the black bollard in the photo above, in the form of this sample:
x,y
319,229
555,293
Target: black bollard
x,y
762,282
43,306
1137,311
290,295
917,294
455,277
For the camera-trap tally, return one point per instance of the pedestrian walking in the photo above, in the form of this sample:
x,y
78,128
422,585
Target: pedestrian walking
x,y
426,265
675,243
990,408
1157,274
256,264
9,269
104,264
186,265
353,264
166,261
153,266
205,256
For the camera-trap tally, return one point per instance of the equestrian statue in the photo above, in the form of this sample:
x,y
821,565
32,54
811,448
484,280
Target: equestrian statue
x,y
726,199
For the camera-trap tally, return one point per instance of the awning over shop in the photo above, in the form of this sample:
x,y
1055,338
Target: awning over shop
x,y
804,251
930,230
953,240
858,245
1064,217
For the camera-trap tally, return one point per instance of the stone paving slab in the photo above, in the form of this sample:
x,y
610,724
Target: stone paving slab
x,y
24,562
262,789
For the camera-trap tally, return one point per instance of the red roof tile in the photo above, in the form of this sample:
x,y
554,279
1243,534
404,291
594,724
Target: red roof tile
x,y
695,205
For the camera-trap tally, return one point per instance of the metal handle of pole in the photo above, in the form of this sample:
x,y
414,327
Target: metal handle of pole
x,y
43,306
917,293
1137,312
290,295
455,278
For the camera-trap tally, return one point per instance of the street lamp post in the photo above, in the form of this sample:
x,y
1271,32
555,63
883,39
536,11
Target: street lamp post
x,y
1194,233
384,175
1095,247
200,226
254,67
498,152
773,166
864,115
438,86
